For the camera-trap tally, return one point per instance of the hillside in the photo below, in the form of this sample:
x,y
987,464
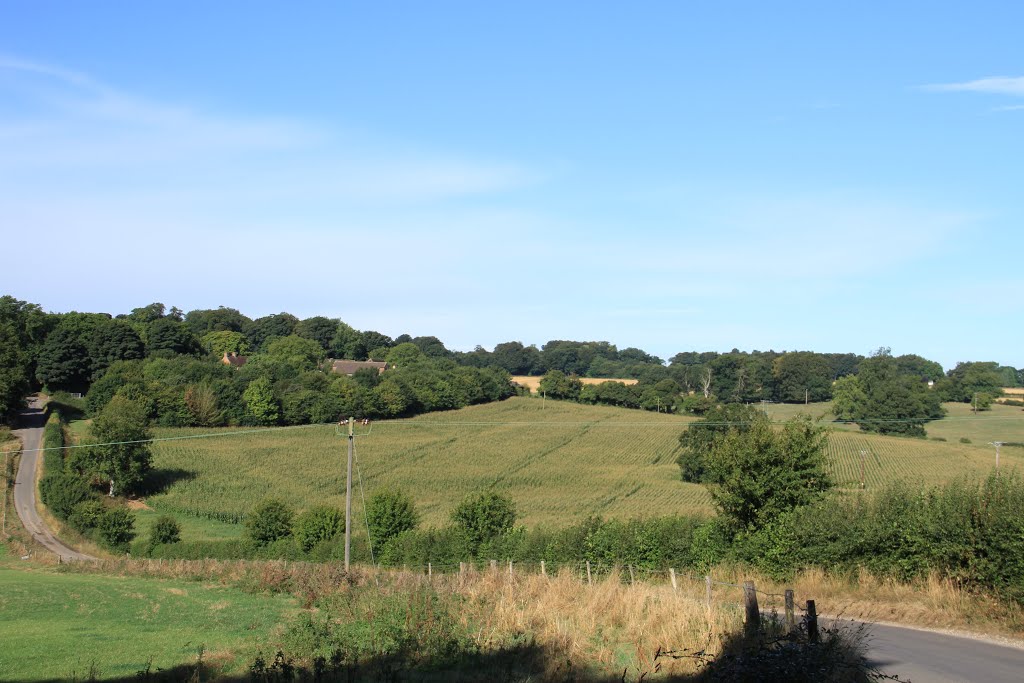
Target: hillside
x,y
559,461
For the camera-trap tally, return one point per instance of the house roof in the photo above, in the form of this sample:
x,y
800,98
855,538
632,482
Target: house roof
x,y
350,367
234,360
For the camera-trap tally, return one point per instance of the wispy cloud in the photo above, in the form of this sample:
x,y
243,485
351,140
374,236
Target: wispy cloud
x,y
992,85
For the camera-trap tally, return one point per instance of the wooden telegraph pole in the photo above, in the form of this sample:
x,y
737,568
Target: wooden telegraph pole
x,y
348,494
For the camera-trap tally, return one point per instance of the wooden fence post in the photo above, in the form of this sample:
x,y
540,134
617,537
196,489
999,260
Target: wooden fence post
x,y
462,568
510,569
672,573
494,565
753,622
812,622
707,588
632,579
589,580
543,569
430,569
790,614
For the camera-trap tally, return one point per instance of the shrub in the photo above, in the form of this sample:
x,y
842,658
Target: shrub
x,y
484,516
87,515
165,529
117,528
388,514
61,493
964,439
271,520
318,524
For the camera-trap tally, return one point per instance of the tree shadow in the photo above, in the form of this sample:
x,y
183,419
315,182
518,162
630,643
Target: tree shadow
x,y
158,480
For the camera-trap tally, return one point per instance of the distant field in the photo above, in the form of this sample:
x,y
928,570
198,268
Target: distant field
x,y
559,461
534,382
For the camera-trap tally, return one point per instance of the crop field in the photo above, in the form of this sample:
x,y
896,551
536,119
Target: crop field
x,y
1001,423
559,461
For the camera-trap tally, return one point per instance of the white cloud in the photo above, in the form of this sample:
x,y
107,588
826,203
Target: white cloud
x,y
993,85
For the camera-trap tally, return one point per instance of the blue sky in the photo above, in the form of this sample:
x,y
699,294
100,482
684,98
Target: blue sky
x,y
673,176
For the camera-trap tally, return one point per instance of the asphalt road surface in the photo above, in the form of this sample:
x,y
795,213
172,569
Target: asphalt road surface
x,y
31,434
934,657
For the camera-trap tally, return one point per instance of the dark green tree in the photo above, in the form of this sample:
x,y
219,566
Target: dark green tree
x,y
802,375
111,341
261,406
761,473
319,329
64,363
122,456
702,436
168,336
263,329
318,524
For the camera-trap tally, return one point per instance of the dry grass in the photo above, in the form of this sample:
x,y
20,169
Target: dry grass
x,y
609,625
533,383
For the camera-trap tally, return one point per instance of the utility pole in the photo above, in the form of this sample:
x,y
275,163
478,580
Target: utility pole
x,y
997,444
348,493
806,395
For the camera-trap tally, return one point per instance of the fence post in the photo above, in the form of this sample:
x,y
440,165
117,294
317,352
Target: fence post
x,y
462,568
632,579
672,573
430,569
543,569
790,615
707,588
753,622
494,565
812,622
589,580
510,569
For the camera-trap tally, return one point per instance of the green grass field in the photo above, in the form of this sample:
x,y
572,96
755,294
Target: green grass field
x,y
559,461
62,626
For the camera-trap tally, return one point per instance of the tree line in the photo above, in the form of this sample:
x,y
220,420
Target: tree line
x,y
170,360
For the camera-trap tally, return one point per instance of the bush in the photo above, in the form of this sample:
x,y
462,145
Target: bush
x,y
485,516
61,493
165,530
964,439
388,514
117,528
86,515
271,520
318,524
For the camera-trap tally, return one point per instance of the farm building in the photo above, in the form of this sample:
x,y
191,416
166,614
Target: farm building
x,y
234,360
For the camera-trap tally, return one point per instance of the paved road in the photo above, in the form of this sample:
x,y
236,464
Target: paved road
x,y
934,657
31,435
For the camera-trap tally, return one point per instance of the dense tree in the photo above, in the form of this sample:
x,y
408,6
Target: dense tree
x,y
802,375
122,457
261,406
884,400
301,354
166,336
204,321
557,384
431,347
760,473
64,363
111,341
968,379
702,436
921,368
225,341
23,328
318,524
263,329
318,328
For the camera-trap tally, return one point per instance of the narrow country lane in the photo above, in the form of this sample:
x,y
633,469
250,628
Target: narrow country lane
x,y
31,434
